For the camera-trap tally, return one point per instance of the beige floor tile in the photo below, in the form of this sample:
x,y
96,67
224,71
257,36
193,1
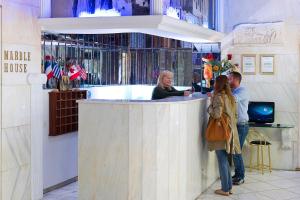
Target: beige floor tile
x,y
279,185
284,183
279,194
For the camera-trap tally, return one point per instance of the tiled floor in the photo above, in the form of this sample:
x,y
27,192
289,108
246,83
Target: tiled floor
x,y
279,185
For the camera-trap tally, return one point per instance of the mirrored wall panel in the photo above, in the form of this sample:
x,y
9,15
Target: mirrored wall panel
x,y
115,59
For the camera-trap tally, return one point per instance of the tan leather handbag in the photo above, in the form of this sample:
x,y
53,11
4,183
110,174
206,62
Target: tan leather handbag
x,y
218,129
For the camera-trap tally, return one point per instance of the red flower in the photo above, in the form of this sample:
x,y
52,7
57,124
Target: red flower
x,y
210,57
47,57
229,56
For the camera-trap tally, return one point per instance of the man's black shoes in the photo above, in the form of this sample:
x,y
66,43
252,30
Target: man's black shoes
x,y
238,181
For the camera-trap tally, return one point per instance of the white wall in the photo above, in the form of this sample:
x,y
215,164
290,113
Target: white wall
x,y
59,152
281,87
257,11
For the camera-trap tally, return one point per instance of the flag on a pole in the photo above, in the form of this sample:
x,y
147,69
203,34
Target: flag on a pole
x,y
57,72
48,68
82,71
73,73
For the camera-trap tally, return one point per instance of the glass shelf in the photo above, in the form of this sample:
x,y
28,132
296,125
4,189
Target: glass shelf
x,y
271,125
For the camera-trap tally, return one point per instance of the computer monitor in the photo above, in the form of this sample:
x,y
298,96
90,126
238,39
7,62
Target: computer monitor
x,y
261,112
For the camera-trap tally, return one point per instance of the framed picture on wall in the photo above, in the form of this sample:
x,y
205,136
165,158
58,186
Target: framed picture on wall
x,y
267,64
249,64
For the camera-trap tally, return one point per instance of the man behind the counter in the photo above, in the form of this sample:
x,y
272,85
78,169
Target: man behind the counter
x,y
164,87
242,99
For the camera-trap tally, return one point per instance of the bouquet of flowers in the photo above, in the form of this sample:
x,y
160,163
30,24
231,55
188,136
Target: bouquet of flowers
x,y
214,68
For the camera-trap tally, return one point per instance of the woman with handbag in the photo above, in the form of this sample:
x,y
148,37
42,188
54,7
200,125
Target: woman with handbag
x,y
221,133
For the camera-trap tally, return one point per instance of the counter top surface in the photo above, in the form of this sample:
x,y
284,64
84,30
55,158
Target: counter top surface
x,y
175,99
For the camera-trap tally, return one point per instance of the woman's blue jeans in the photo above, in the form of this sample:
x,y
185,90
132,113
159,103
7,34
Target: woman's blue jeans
x,y
224,170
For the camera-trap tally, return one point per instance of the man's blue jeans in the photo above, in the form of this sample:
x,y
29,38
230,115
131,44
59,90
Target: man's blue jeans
x,y
224,170
237,158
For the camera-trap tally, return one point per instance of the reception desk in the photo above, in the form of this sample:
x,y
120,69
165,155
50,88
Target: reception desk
x,y
144,150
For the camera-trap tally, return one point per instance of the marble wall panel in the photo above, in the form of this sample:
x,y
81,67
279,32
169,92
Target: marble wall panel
x,y
287,69
99,173
287,118
174,149
16,183
184,134
136,117
284,95
163,152
193,141
16,106
149,190
21,32
21,27
15,147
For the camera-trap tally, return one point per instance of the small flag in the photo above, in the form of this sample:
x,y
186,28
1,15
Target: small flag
x,y
82,71
73,73
57,72
48,69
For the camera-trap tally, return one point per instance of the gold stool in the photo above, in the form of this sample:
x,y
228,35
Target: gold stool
x,y
261,143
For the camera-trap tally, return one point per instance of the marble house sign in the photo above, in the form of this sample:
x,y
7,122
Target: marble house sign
x,y
16,59
267,33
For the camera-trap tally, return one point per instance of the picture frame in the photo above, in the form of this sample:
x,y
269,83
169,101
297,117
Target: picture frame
x,y
267,64
248,64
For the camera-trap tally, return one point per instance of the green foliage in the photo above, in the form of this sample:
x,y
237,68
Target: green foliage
x,y
223,66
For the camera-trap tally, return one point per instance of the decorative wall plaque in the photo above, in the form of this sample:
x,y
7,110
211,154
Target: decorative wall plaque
x,y
267,33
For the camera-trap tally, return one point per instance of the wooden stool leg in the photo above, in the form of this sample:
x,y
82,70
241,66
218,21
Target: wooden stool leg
x,y
251,151
270,166
262,158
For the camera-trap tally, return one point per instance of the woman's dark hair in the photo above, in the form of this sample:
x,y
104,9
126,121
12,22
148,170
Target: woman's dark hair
x,y
222,85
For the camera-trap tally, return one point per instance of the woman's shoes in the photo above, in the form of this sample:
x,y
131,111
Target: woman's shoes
x,y
221,192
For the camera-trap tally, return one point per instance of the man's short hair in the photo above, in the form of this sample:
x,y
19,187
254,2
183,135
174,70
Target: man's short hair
x,y
236,75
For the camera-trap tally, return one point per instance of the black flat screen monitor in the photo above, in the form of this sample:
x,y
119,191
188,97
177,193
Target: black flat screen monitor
x,y
261,112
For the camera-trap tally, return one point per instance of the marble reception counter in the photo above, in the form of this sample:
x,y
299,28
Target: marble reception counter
x,y
144,150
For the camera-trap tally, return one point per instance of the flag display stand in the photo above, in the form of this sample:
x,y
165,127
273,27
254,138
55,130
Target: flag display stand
x,y
63,111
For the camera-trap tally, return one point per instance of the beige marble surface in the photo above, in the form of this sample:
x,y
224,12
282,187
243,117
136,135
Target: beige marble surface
x,y
144,151
21,32
280,87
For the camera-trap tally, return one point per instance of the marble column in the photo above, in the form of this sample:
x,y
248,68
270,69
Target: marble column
x,y
156,7
20,33
46,8
36,103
